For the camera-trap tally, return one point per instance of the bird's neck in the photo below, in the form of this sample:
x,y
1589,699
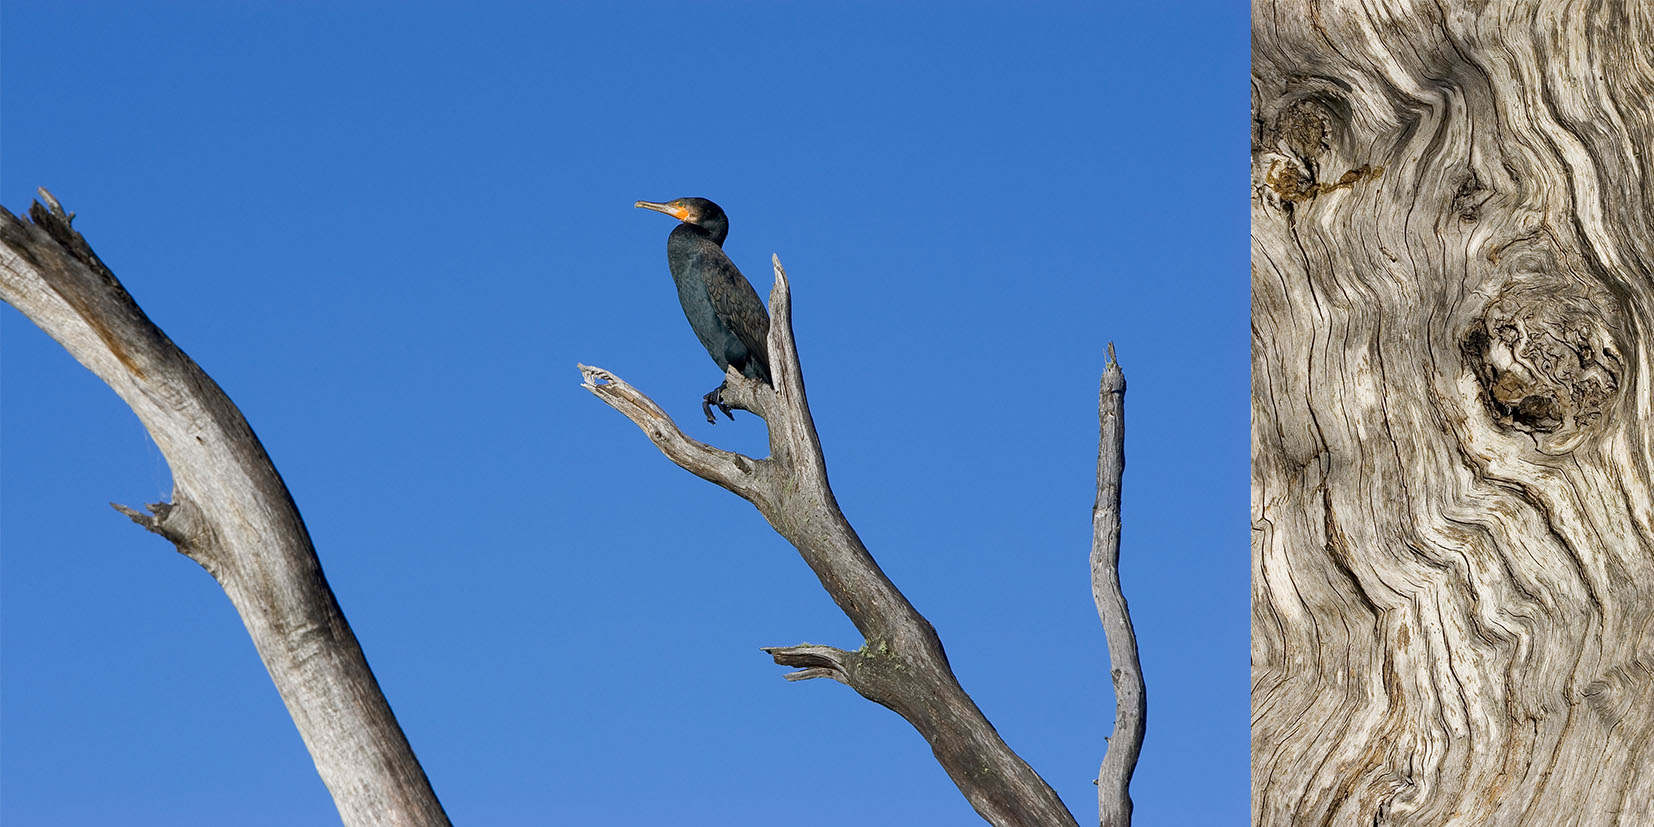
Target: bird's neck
x,y
715,230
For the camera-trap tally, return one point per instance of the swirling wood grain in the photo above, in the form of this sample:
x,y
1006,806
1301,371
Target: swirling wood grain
x,y
1453,427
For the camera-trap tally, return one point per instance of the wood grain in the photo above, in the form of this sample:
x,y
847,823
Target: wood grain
x,y
1453,430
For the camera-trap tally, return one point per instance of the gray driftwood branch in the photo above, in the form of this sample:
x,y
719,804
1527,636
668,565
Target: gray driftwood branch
x,y
1130,701
230,512
900,664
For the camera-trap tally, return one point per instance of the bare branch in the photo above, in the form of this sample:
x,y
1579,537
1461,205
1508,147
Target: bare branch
x,y
730,470
175,522
230,512
814,661
1130,700
901,665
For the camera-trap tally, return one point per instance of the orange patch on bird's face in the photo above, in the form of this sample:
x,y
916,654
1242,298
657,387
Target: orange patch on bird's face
x,y
680,212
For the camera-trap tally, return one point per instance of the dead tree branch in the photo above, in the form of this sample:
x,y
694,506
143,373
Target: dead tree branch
x,y
1130,700
900,664
230,512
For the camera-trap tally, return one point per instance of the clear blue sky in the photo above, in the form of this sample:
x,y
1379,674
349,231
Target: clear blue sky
x,y
390,231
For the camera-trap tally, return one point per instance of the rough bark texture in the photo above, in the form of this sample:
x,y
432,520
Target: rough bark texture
x,y
231,513
1130,699
901,664
1453,557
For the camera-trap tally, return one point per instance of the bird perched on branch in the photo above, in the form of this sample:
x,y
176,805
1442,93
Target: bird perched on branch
x,y
724,310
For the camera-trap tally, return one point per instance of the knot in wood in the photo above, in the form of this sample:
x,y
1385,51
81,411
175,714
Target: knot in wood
x,y
1469,196
1303,129
1614,696
1300,153
1544,355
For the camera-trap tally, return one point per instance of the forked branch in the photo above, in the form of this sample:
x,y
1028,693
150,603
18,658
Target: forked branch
x,y
901,664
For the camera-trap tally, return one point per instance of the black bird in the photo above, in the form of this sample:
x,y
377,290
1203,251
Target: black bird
x,y
721,305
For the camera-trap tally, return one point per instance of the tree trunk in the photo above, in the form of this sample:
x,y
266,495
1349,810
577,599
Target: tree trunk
x,y
1453,559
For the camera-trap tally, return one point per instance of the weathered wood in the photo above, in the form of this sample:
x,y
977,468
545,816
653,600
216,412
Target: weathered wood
x,y
1453,429
1130,699
230,512
901,664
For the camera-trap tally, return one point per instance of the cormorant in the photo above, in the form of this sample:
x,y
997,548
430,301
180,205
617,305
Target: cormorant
x,y
721,305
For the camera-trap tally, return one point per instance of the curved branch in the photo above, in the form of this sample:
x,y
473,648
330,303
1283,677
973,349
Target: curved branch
x,y
1130,699
230,512
733,471
902,665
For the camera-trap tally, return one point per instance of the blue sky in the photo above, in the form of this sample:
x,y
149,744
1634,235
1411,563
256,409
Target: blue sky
x,y
390,231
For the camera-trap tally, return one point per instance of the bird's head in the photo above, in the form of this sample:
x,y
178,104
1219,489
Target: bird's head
x,y
697,211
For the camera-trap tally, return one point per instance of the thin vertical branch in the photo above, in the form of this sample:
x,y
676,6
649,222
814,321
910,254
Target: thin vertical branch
x,y
1130,702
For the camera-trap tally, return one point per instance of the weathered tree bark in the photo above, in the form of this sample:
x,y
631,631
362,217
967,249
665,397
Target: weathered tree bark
x,y
230,512
901,664
1130,699
1453,430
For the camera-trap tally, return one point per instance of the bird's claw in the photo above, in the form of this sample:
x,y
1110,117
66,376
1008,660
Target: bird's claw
x,y
715,397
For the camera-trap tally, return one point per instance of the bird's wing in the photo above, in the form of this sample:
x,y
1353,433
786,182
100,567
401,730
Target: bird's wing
x,y
739,308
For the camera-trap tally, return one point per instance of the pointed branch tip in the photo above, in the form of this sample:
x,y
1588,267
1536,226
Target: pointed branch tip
x,y
158,523
134,514
593,377
815,661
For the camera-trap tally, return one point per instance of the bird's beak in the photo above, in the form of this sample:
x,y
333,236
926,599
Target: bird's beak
x,y
679,212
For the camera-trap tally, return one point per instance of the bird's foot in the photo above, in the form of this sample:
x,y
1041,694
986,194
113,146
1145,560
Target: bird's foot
x,y
715,397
